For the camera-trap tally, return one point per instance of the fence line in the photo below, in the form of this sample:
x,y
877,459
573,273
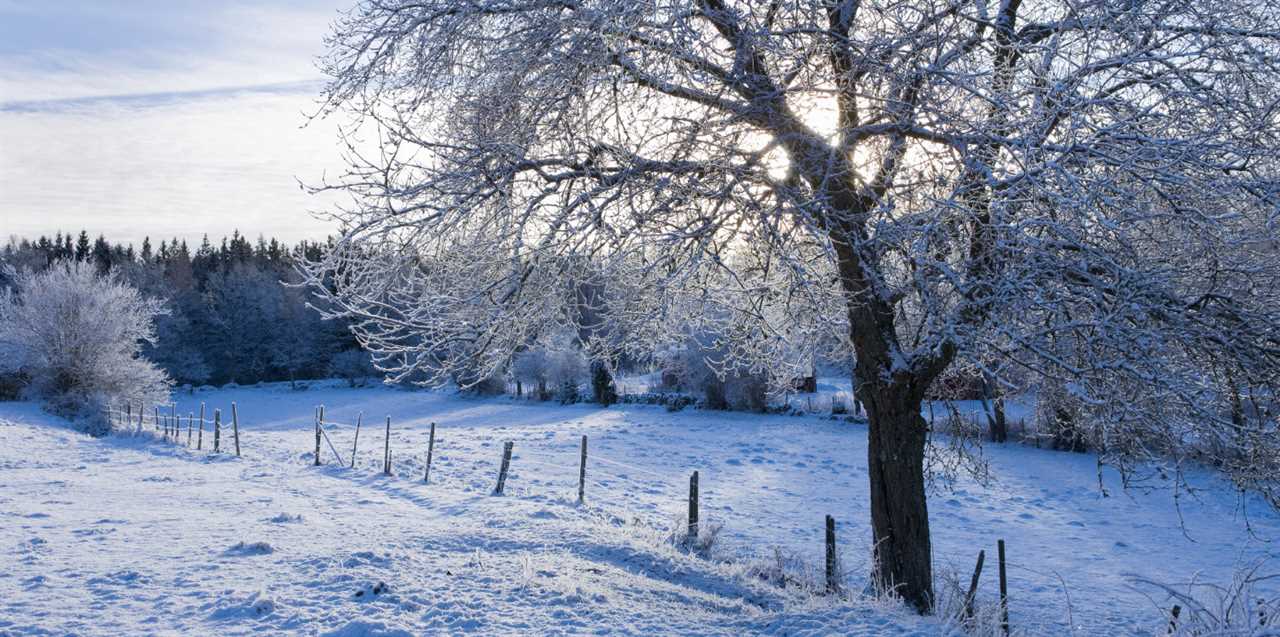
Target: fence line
x,y
165,419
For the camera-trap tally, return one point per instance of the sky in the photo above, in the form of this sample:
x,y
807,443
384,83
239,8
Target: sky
x,y
164,118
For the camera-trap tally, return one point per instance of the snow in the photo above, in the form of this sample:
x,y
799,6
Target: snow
x,y
130,535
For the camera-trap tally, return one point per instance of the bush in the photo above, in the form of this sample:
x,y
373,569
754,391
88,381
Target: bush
x,y
559,364
603,390
76,336
353,366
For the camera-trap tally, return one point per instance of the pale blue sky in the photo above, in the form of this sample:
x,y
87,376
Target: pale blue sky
x,y
162,117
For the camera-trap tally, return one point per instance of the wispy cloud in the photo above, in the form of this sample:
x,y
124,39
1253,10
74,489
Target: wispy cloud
x,y
75,49
162,117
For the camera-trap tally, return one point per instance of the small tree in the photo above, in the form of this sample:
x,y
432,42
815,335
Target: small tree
x,y
77,335
603,389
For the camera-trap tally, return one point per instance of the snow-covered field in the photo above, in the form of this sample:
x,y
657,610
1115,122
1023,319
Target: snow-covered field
x,y
128,535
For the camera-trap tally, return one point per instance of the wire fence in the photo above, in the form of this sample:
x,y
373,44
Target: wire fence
x,y
534,466
165,419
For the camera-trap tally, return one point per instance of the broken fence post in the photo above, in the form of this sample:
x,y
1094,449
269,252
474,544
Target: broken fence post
x,y
833,567
973,585
235,427
582,472
502,471
431,447
693,506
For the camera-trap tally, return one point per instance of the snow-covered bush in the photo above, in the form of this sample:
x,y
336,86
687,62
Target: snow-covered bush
x,y
559,366
700,367
353,366
530,369
76,335
1245,606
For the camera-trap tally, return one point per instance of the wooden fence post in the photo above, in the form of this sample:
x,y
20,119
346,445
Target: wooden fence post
x,y
128,413
502,471
319,419
693,506
1173,619
833,575
582,472
217,430
190,426
156,420
386,451
973,585
235,427
356,444
200,435
1004,590
431,447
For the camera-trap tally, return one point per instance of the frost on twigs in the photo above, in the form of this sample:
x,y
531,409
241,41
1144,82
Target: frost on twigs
x,y
1057,193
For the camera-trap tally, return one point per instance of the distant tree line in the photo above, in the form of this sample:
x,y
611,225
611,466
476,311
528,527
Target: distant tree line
x,y
233,315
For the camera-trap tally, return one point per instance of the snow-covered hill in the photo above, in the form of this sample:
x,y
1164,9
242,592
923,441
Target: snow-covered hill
x,y
129,535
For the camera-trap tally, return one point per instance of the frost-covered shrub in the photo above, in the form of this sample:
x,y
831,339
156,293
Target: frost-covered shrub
x,y
699,369
76,335
530,369
353,366
1059,417
558,364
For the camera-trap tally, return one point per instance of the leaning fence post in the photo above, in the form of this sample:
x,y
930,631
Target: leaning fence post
x,y
1004,590
386,450
582,472
217,430
431,447
693,506
319,419
235,427
833,575
356,443
502,471
973,585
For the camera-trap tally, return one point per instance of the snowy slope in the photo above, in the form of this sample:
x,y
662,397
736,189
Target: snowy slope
x,y
129,536
152,530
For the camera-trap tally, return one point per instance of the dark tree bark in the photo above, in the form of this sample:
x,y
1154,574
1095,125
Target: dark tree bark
x,y
899,511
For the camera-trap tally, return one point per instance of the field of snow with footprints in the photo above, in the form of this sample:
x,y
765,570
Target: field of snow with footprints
x,y
132,534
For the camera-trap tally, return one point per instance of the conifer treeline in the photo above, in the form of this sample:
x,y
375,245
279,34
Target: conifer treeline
x,y
231,316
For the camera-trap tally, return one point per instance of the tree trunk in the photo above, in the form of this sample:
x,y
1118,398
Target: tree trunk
x,y
899,511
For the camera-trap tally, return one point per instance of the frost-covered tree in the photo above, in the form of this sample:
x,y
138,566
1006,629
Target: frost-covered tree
x,y
941,180
76,334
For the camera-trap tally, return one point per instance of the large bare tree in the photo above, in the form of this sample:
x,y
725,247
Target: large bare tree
x,y
1082,188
